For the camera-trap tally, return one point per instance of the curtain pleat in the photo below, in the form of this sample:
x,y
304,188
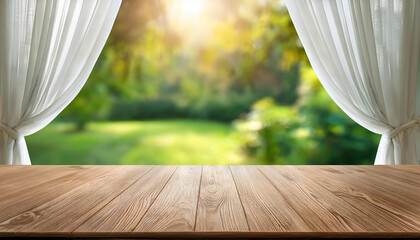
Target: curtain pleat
x,y
47,51
366,55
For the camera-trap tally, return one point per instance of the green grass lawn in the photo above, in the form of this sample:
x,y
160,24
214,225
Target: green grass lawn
x,y
146,142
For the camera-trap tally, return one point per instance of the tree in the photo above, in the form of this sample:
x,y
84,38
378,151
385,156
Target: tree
x,y
117,71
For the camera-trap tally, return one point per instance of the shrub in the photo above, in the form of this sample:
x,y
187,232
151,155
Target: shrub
x,y
266,130
213,109
315,131
145,110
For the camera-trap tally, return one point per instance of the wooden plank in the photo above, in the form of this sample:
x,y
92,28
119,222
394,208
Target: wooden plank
x,y
14,182
403,183
391,188
266,209
28,194
196,202
407,168
9,171
404,191
398,174
382,205
124,212
219,206
317,206
207,235
175,208
69,210
18,175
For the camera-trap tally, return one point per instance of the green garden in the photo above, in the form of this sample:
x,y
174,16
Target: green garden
x,y
140,142
203,82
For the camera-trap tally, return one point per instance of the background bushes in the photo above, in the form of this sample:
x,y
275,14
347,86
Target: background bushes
x,y
213,110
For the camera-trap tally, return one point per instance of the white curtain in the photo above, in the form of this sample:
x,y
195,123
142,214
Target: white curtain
x,y
366,55
47,51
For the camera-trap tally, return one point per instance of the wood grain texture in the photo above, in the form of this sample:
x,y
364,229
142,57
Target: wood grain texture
x,y
319,208
15,173
210,201
385,189
29,191
266,209
373,197
219,206
124,212
68,211
175,208
15,180
404,183
406,169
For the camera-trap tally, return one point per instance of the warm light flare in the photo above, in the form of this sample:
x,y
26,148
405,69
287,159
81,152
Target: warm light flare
x,y
194,20
191,7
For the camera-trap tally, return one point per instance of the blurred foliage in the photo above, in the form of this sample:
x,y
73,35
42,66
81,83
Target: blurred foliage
x,y
267,130
313,131
215,109
235,61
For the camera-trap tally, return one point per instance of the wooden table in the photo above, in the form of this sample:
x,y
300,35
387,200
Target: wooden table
x,y
210,201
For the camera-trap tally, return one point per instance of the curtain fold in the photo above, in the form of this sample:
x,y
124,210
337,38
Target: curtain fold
x,y
366,55
47,51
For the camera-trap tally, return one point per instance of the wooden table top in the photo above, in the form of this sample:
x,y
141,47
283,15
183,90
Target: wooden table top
x,y
210,201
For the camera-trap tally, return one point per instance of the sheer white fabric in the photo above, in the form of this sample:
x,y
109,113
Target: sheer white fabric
x,y
47,51
366,55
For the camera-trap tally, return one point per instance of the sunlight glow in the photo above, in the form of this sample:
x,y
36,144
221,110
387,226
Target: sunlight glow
x,y
187,17
191,7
